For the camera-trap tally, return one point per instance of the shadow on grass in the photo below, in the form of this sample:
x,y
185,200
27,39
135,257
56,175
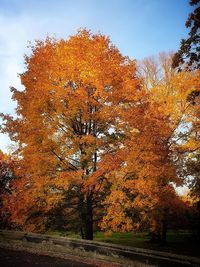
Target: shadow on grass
x,y
180,242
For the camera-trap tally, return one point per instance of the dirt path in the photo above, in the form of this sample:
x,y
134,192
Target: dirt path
x,y
9,258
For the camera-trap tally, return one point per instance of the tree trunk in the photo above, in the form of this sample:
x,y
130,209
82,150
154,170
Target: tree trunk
x,y
164,231
164,227
82,233
155,237
89,230
86,216
155,232
89,219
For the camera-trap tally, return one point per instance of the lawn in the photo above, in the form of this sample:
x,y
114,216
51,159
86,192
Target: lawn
x,y
180,242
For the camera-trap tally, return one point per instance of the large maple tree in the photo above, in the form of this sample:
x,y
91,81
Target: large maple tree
x,y
96,138
69,127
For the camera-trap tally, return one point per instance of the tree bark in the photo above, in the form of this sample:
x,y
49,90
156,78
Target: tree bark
x,y
89,219
164,227
155,232
82,233
164,231
86,216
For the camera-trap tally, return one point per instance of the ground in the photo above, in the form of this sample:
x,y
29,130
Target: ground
x,y
20,253
178,242
9,258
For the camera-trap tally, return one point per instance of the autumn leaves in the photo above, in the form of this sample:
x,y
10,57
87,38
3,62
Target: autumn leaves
x,y
90,134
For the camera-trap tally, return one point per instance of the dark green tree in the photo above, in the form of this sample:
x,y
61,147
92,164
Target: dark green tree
x,y
188,56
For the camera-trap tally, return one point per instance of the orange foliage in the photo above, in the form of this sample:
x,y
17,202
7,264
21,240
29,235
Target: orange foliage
x,y
74,93
87,123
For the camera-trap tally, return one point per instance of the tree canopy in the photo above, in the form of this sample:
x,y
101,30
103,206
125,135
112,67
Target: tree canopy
x,y
97,139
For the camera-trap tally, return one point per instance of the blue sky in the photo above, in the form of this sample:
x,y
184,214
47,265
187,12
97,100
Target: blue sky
x,y
139,28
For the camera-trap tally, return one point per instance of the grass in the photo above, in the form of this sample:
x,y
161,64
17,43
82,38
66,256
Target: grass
x,y
180,242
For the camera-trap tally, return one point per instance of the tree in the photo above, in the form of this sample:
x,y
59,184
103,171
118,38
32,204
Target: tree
x,y
142,190
68,125
94,139
176,95
188,56
191,151
6,173
6,177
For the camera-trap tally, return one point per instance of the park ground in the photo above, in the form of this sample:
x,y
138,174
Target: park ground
x,y
10,258
22,254
178,242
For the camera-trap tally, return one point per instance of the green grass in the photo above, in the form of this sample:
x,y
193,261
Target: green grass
x,y
128,239
180,242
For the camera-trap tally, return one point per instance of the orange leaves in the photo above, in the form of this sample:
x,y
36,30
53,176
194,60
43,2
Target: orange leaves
x,y
88,129
65,115
116,218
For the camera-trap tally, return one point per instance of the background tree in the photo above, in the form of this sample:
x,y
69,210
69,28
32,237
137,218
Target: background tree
x,y
172,91
188,56
6,172
6,176
142,191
